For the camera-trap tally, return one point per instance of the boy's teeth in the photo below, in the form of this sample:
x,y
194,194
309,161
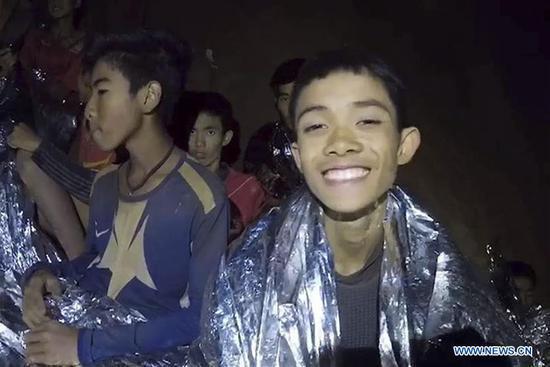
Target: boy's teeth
x,y
346,173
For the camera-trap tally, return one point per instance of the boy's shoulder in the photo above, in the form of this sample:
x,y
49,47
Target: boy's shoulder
x,y
189,175
206,186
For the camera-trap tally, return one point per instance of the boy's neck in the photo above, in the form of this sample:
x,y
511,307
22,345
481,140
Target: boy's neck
x,y
353,242
214,167
147,146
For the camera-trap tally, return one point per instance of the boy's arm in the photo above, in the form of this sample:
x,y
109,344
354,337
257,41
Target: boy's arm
x,y
177,328
72,177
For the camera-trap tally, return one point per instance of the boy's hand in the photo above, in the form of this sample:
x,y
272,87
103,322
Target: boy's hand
x,y
53,343
34,309
22,137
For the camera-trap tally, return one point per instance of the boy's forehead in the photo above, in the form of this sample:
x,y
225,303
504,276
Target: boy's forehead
x,y
341,88
104,71
208,120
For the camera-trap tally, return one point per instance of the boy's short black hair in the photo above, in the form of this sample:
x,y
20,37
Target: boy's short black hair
x,y
522,269
142,56
212,103
216,104
356,61
287,72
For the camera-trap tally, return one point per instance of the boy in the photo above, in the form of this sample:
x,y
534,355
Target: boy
x,y
350,271
158,223
211,131
268,154
524,280
50,175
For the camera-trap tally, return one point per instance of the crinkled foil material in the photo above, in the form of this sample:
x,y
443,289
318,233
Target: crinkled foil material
x,y
288,177
273,302
536,332
21,245
81,309
276,170
55,117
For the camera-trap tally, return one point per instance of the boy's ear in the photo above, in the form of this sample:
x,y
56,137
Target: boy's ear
x,y
150,96
410,141
227,137
296,155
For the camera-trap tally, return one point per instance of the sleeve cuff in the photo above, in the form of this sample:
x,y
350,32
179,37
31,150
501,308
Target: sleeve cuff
x,y
41,151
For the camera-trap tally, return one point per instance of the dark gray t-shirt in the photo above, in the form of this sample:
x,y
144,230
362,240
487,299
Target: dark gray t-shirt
x,y
357,297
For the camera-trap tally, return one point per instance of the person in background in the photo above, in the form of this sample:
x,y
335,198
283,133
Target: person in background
x,y
268,154
524,280
211,135
56,50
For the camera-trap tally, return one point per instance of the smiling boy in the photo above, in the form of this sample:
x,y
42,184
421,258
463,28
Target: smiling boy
x,y
350,271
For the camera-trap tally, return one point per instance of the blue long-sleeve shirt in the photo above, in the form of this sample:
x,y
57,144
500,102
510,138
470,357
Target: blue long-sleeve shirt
x,y
153,253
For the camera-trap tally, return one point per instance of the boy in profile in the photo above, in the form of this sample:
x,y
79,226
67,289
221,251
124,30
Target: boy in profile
x,y
158,223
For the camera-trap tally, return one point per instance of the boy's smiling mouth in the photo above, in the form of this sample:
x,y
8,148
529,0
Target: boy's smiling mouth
x,y
344,174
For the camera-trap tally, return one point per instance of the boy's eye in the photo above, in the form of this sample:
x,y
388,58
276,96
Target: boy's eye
x,y
313,127
101,91
193,131
211,132
369,122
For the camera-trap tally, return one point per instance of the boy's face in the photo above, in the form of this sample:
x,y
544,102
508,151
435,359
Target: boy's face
x,y
207,139
349,145
282,100
113,112
60,8
526,289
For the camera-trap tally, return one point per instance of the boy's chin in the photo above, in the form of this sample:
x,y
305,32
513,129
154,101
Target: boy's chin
x,y
106,147
105,144
351,210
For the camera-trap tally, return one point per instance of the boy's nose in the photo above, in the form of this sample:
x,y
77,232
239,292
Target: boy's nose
x,y
341,142
89,110
201,142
